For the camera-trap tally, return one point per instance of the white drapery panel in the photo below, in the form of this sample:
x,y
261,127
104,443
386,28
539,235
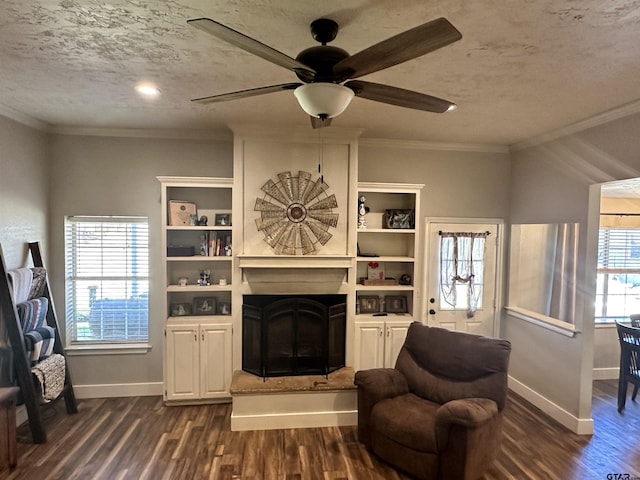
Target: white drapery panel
x,y
462,263
562,300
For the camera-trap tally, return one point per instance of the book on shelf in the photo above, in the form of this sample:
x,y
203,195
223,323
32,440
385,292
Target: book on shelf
x,y
215,244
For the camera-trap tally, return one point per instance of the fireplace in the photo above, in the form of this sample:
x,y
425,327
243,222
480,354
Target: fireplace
x,y
293,334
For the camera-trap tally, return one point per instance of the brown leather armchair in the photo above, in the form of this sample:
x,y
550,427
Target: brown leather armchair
x,y
438,413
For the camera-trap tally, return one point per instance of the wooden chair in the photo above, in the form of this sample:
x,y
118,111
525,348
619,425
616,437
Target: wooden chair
x,y
629,338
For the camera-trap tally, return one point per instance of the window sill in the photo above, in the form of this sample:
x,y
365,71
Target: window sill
x,y
108,349
543,321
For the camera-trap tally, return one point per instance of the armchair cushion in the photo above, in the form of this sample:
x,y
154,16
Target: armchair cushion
x,y
443,365
407,420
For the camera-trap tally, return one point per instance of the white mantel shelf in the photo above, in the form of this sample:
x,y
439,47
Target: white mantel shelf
x,y
295,261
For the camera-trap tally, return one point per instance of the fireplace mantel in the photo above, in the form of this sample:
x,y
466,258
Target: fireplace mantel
x,y
295,261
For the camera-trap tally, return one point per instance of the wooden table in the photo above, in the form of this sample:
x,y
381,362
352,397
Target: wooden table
x,y
8,450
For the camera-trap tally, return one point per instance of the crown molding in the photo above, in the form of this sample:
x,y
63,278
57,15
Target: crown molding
x,y
23,118
296,133
424,145
595,121
221,135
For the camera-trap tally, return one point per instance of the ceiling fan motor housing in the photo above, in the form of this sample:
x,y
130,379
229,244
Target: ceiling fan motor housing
x,y
321,58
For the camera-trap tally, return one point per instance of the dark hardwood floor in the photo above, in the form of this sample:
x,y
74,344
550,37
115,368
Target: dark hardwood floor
x,y
140,438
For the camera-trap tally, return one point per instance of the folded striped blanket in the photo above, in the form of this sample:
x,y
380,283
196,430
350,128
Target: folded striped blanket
x,y
39,343
50,372
33,313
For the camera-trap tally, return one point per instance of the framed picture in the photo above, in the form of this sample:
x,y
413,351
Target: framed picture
x,y
182,213
204,306
396,303
224,308
369,303
403,219
180,309
222,220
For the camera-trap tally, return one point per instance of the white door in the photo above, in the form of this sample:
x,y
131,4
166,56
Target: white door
x,y
453,304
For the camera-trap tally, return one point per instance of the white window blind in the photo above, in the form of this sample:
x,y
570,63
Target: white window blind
x,y
107,279
618,281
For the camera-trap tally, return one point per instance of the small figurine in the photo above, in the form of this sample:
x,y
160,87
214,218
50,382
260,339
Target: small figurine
x,y
205,278
203,221
362,210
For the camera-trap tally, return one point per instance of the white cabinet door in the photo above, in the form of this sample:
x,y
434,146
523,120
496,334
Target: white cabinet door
x,y
215,360
369,345
396,332
182,370
378,343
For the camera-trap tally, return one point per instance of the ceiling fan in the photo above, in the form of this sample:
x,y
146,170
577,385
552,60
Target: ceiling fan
x,y
322,69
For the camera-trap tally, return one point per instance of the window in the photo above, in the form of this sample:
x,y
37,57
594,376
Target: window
x,y
618,281
107,280
461,271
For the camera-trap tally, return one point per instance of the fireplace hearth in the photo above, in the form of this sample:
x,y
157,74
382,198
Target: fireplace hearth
x,y
288,335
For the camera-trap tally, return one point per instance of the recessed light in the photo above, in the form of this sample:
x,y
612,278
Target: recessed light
x,y
147,89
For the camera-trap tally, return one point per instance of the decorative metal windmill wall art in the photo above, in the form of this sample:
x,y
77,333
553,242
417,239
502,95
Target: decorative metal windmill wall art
x,y
296,213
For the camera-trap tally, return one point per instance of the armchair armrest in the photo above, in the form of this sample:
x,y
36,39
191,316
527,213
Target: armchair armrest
x,y
381,383
467,413
467,435
374,385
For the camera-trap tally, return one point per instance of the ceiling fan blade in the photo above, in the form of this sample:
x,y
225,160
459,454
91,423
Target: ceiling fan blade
x,y
252,92
320,122
251,45
399,96
397,49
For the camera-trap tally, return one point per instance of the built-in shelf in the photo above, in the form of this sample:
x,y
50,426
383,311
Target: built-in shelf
x,y
197,227
198,288
295,261
384,288
386,258
200,258
387,230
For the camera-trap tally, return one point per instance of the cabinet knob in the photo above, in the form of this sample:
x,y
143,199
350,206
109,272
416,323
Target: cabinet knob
x,y
432,311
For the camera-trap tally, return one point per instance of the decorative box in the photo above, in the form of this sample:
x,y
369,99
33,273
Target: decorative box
x,y
181,251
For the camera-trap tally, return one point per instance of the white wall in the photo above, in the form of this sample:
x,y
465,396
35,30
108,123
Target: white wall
x,y
93,175
552,183
457,183
24,188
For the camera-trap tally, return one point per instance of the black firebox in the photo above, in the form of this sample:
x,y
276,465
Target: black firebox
x,y
293,334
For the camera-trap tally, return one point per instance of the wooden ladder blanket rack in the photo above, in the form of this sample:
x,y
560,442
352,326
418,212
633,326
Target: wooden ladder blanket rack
x,y
29,386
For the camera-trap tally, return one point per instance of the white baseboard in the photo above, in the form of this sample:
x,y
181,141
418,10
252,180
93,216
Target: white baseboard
x,y
267,411
581,426
610,373
293,420
119,390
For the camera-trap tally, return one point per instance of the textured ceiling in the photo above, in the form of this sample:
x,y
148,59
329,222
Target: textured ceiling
x,y
522,69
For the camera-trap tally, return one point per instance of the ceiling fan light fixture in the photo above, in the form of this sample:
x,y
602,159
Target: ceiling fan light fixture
x,y
323,99
452,107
